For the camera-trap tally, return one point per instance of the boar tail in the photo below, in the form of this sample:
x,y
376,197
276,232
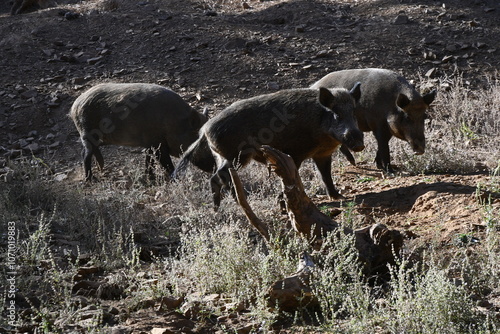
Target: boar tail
x,y
200,155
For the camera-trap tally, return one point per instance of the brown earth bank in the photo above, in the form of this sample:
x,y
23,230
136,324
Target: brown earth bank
x,y
216,52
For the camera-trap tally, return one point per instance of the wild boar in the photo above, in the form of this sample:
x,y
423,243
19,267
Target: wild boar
x,y
138,115
304,123
388,106
20,6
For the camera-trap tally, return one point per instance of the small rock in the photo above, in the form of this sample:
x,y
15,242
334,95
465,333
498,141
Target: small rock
x,y
71,15
57,78
48,52
161,331
431,73
78,81
272,85
120,71
33,147
171,303
29,94
120,330
235,307
429,55
60,177
446,59
55,144
211,13
53,104
245,329
401,19
322,54
300,29
246,5
95,60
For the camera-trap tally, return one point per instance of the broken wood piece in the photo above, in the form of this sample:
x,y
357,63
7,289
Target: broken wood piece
x,y
306,218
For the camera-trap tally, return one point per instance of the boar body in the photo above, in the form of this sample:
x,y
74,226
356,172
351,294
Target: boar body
x,y
304,123
137,115
389,106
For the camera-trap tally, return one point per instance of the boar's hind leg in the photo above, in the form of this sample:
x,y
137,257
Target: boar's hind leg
x,y
383,157
90,150
324,165
162,154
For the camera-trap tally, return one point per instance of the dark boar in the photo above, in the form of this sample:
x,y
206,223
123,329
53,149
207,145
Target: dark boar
x,y
304,123
388,106
135,114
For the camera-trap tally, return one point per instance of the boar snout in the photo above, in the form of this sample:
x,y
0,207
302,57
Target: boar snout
x,y
418,149
354,141
418,146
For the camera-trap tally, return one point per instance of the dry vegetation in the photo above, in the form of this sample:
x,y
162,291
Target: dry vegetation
x,y
129,256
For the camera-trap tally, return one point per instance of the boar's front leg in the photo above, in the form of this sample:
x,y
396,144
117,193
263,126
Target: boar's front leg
x,y
383,158
324,165
220,181
90,150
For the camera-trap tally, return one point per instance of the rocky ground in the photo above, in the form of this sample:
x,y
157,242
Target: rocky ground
x,y
216,52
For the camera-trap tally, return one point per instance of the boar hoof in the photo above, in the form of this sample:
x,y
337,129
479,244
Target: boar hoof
x,y
336,196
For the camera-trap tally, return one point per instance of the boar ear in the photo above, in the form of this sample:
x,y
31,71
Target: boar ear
x,y
325,97
402,101
429,97
356,91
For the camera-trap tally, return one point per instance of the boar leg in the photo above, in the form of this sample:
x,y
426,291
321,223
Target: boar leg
x,y
345,151
383,157
324,165
149,163
220,181
90,150
15,6
163,155
99,158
